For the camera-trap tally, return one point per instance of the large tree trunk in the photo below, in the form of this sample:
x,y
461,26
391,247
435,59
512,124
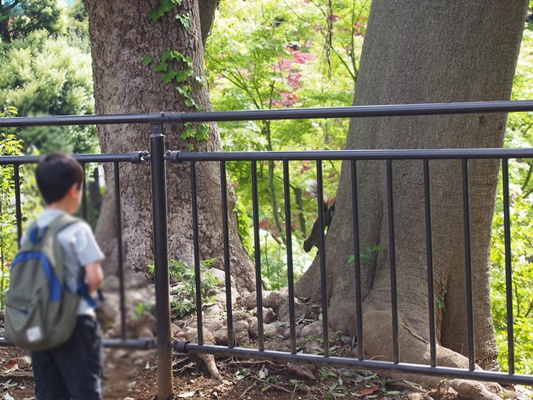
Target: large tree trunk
x,y
423,52
121,35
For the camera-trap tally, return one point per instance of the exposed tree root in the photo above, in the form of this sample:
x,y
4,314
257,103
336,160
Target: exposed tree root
x,y
414,349
377,338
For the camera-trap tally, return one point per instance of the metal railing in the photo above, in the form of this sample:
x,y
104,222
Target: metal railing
x,y
158,156
353,157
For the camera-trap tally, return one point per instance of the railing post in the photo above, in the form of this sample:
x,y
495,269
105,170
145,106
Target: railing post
x,y
162,289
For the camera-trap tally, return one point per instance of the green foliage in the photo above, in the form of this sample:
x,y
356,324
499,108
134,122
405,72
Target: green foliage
x,y
185,20
78,26
179,75
279,39
19,18
521,269
519,134
183,293
165,7
177,68
365,257
11,145
274,261
42,75
244,223
266,55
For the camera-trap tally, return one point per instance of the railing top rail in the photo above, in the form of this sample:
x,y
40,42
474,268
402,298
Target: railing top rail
x,y
249,115
390,154
134,157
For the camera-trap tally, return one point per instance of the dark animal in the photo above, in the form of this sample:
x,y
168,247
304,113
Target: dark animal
x,y
314,237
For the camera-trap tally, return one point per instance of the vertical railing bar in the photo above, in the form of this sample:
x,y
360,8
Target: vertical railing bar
x,y
118,212
429,252
257,251
162,279
227,269
197,271
357,263
468,265
84,197
322,256
288,242
393,279
18,204
508,266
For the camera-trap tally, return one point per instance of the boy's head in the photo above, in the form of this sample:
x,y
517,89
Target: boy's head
x,y
55,174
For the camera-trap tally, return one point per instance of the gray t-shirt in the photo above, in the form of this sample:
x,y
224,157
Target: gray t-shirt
x,y
80,248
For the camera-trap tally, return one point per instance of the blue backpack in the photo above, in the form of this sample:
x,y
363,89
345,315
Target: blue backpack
x,y
40,311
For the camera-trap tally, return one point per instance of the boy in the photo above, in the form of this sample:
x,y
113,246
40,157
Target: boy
x,y
74,370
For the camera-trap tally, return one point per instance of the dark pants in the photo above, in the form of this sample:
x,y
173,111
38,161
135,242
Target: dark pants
x,y
74,369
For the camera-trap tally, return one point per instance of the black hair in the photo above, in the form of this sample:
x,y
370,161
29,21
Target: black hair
x,y
55,174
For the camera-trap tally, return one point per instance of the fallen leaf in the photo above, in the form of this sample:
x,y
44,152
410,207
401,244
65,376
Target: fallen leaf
x,y
8,384
186,395
369,390
12,364
301,370
263,373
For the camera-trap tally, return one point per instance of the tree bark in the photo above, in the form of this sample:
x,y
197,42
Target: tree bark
x,y
121,35
423,52
207,16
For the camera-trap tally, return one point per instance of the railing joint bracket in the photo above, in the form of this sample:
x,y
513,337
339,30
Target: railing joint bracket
x,y
180,346
140,157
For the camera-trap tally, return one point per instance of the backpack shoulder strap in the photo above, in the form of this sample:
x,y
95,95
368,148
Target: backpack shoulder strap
x,y
82,290
36,234
61,223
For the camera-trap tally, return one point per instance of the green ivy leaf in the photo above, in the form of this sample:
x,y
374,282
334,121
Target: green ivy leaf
x,y
185,20
162,66
203,132
189,133
154,14
169,76
166,6
182,76
167,55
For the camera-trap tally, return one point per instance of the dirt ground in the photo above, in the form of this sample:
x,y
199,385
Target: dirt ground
x,y
133,376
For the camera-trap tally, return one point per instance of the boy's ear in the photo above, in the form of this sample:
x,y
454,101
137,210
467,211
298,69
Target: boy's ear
x,y
73,191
